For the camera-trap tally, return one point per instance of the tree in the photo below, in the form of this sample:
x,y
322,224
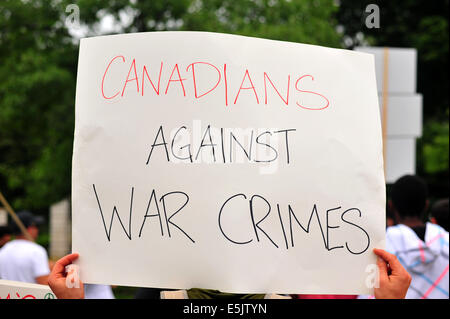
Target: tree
x,y
289,20
37,82
310,22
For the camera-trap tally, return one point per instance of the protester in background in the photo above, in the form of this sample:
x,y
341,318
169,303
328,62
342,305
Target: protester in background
x,y
393,284
22,259
390,219
439,213
5,235
422,248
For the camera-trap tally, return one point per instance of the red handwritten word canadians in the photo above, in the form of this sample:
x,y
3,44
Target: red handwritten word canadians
x,y
123,76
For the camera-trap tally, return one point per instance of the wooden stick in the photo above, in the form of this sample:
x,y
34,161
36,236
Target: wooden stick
x,y
385,103
14,217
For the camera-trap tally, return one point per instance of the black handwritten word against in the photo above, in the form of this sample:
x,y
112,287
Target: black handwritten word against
x,y
292,223
220,146
137,81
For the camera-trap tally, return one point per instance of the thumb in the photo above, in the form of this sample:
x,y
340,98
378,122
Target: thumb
x,y
382,265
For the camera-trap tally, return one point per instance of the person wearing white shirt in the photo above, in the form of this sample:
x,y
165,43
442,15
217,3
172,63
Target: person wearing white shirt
x,y
22,259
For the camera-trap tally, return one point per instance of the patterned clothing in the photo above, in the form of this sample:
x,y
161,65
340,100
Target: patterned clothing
x,y
426,261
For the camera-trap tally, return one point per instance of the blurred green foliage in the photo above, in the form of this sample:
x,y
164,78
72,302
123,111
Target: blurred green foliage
x,y
432,157
123,292
289,20
435,152
297,21
37,83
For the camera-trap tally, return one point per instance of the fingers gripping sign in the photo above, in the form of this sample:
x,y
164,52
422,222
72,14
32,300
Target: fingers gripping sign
x,y
64,280
73,278
394,280
373,279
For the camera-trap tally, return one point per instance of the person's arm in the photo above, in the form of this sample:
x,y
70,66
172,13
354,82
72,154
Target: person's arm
x,y
58,280
394,280
42,280
40,266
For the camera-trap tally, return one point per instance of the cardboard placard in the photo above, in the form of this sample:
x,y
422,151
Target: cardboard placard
x,y
226,162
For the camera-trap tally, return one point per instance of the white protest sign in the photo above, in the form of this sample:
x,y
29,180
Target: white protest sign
x,y
22,290
226,162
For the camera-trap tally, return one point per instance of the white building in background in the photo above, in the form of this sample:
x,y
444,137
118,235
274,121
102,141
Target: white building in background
x,y
404,107
60,229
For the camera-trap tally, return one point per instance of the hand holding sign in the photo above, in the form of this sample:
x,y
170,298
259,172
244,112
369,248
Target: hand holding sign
x,y
394,280
66,285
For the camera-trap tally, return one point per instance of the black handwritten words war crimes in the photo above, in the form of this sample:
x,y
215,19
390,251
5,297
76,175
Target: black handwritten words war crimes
x,y
291,220
288,221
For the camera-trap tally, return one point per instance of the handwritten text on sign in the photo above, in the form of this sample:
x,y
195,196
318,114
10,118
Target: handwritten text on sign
x,y
225,162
